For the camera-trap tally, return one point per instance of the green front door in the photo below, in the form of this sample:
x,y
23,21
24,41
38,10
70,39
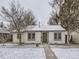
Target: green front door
x,y
44,37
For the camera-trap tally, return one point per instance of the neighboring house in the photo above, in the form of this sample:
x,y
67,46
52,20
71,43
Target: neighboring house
x,y
4,33
51,34
75,37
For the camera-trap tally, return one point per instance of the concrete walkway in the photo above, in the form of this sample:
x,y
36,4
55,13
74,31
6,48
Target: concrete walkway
x,y
49,53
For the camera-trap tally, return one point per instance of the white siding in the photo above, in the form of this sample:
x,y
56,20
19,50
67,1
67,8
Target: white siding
x,y
52,41
15,40
25,38
37,38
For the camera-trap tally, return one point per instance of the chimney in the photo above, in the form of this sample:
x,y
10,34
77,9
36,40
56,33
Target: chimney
x,y
39,24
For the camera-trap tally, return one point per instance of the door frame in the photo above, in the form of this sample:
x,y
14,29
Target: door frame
x,y
47,33
65,39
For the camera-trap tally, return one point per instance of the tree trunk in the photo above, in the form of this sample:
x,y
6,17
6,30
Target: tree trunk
x,y
20,42
3,39
68,37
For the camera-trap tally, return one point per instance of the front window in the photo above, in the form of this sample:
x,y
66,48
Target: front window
x,y
57,36
31,36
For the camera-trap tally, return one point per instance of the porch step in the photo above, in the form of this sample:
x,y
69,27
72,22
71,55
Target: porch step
x,y
49,53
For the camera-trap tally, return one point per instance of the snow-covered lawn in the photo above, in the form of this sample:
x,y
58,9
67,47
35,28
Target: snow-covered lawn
x,y
22,53
66,53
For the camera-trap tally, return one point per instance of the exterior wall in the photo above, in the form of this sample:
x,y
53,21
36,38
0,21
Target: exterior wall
x,y
25,38
52,41
75,37
38,38
15,40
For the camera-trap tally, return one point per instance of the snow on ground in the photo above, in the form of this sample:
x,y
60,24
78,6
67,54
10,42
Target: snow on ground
x,y
22,53
66,53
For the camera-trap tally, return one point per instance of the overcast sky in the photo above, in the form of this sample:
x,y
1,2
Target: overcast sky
x,y
40,8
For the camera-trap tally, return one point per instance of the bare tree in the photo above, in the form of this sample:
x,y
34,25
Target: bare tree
x,y
55,4
3,33
18,17
54,20
4,38
50,21
68,14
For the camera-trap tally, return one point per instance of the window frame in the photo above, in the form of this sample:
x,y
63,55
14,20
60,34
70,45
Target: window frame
x,y
33,35
58,36
29,36
55,36
32,38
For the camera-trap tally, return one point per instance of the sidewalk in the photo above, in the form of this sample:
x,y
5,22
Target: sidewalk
x,y
49,53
